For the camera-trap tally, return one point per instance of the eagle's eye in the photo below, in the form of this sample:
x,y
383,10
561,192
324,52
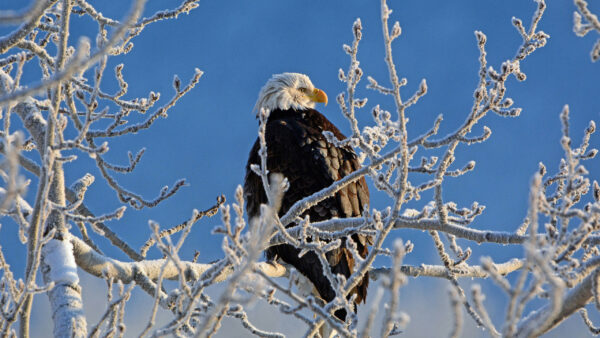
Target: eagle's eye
x,y
303,90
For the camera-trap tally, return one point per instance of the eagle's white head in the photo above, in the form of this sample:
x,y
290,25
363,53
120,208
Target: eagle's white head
x,y
289,90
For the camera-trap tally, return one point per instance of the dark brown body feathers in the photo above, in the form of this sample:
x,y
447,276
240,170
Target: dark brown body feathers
x,y
297,149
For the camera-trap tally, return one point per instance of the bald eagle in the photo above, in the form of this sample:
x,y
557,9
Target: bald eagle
x,y
297,148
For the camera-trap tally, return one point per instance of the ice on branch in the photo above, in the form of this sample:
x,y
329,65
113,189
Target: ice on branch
x,y
58,256
591,23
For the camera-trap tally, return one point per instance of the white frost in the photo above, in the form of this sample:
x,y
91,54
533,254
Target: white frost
x,y
58,255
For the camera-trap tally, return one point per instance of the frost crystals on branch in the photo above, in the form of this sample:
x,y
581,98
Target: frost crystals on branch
x,y
582,28
66,105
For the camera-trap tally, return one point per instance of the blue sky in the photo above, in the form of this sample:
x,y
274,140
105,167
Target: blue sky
x,y
240,44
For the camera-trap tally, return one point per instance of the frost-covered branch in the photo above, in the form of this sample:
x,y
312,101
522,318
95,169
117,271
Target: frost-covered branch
x,y
43,226
582,28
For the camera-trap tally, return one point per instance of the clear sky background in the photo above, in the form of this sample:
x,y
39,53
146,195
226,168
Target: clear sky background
x,y
240,44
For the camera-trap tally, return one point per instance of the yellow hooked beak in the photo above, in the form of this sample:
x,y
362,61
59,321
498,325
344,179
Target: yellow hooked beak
x,y
318,95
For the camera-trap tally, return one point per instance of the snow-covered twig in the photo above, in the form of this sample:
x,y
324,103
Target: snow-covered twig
x,y
581,29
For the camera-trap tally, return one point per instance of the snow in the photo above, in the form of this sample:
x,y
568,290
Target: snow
x,y
58,255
